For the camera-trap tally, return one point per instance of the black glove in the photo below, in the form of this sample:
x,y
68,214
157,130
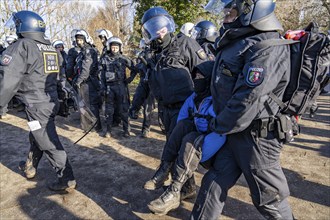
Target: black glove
x,y
211,125
77,85
129,80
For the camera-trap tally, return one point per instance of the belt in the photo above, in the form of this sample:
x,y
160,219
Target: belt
x,y
263,125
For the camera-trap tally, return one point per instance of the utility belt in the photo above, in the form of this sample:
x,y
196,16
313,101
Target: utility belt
x,y
285,127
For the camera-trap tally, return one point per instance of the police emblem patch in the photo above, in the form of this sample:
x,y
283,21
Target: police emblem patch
x,y
6,59
201,53
255,76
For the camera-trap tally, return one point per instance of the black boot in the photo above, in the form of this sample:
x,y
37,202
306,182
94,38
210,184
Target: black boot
x,y
168,201
106,133
63,185
160,176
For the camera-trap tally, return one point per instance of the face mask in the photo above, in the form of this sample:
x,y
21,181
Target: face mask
x,y
200,85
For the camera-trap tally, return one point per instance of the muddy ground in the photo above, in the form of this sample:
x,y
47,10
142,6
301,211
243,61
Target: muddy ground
x,y
110,174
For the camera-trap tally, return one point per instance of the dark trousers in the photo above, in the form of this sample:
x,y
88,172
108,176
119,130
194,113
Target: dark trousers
x,y
117,96
148,107
45,140
258,159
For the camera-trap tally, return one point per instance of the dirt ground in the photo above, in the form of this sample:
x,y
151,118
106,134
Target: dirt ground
x,y
110,174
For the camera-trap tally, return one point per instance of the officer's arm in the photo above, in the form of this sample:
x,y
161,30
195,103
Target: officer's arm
x,y
87,64
69,68
261,74
195,54
131,66
102,76
13,66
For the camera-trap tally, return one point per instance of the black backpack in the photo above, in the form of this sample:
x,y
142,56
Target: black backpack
x,y
310,68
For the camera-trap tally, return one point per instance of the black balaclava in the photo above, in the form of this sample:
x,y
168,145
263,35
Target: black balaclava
x,y
159,44
202,79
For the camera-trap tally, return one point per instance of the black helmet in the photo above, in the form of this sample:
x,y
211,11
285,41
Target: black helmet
x,y
205,30
257,13
156,22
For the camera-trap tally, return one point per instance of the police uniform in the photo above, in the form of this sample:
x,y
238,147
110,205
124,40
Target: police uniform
x,y
241,83
113,76
86,70
29,68
170,80
209,50
71,62
142,95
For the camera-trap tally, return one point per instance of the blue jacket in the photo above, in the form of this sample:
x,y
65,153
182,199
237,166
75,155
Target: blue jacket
x,y
205,108
213,141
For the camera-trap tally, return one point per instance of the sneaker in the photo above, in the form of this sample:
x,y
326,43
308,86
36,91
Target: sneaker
x,y
145,134
60,186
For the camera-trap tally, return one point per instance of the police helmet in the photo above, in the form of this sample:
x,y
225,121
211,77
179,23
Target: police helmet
x,y
205,30
104,33
156,22
10,39
26,22
73,36
257,13
186,28
85,35
57,43
114,40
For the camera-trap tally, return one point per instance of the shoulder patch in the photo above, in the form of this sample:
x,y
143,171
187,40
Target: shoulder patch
x,y
5,60
254,76
201,53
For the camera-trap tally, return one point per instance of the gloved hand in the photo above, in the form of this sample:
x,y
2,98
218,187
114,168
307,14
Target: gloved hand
x,y
211,125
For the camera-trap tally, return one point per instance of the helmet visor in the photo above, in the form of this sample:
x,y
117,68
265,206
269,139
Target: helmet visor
x,y
10,23
195,32
157,27
216,6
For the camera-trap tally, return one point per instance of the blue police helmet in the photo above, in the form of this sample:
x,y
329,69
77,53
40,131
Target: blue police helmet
x,y
205,30
257,13
26,22
153,12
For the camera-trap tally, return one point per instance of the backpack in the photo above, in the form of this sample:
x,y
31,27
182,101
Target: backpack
x,y
309,74
310,68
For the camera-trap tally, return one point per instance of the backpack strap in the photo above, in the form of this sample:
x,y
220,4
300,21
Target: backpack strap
x,y
272,42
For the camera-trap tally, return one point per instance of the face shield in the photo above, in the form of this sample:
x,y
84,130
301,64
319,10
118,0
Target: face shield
x,y
195,32
11,23
216,7
157,27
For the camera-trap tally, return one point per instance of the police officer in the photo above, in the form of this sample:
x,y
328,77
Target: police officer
x,y
71,58
59,46
143,96
114,85
104,35
205,33
86,77
243,77
30,68
170,79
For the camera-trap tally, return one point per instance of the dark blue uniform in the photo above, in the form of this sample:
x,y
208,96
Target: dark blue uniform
x,y
241,83
30,69
113,84
86,70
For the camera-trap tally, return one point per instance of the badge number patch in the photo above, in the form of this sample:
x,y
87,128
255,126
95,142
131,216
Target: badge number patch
x,y
6,59
51,62
255,76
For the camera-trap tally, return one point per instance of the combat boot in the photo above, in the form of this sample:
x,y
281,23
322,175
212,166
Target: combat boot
x,y
133,114
188,190
168,201
28,169
160,176
63,186
106,133
126,134
145,133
